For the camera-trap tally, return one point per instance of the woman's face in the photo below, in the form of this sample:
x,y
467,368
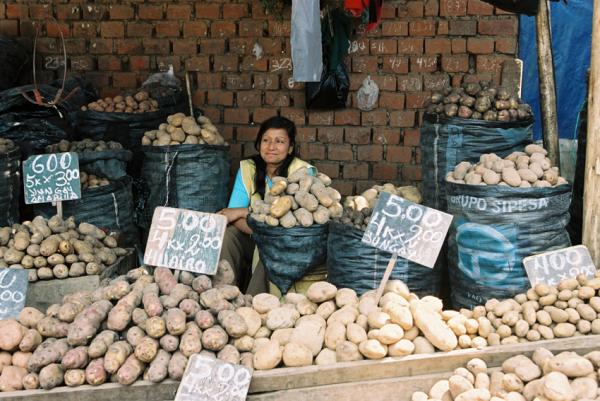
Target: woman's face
x,y
275,146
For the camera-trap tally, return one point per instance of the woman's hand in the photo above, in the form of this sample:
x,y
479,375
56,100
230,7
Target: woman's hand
x,y
234,214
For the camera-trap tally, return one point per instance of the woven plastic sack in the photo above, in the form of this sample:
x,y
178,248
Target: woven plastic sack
x,y
288,254
111,164
493,229
10,187
353,264
445,142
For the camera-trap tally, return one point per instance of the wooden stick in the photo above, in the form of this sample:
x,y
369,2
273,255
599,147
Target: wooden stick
x,y
547,85
386,276
59,210
591,190
188,87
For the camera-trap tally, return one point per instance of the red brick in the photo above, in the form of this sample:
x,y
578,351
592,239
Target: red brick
x,y
76,46
95,12
371,153
260,115
438,46
179,12
435,82
2,11
455,63
227,133
478,7
54,29
16,11
279,28
225,63
109,63
410,46
385,171
383,46
395,64
384,82
83,63
443,28
364,64
423,64
67,12
416,100
139,29
331,135
388,11
167,29
339,152
506,45
101,46
208,11
356,170
277,99
163,63
213,114
347,117
357,135
506,26
463,27
499,11
306,134
386,136
128,46
415,9
432,8
212,46
40,11
238,81
241,46
405,118
156,46
186,47
320,117
265,81
82,30
399,154
344,187
124,80
491,63
270,46
120,11
375,117
359,47
410,83
412,173
139,63
296,115
148,11
112,29
98,79
249,98
223,98
246,133
391,100
332,169
222,29
453,8
198,63
422,28
248,149
44,45
312,151
394,28
194,29
250,63
209,81
235,11
411,137
459,45
237,116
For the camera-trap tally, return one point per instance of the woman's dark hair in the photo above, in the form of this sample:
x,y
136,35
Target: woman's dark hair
x,y
261,167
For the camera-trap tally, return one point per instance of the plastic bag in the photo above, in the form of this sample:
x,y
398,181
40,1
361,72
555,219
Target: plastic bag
x,y
32,135
288,254
353,264
193,177
307,55
331,92
493,229
445,142
167,79
10,187
576,224
15,60
367,95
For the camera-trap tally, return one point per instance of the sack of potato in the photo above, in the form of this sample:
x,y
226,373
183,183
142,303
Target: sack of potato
x,y
92,181
181,129
504,210
10,182
544,376
57,248
140,102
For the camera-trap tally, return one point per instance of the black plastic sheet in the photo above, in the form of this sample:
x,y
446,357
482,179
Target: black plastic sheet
x,y
111,164
10,187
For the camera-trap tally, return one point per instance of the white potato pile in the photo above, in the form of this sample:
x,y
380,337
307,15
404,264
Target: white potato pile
x,y
140,102
181,129
92,180
527,169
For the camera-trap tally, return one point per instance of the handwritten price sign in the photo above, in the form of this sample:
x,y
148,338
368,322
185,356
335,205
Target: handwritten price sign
x,y
51,178
13,287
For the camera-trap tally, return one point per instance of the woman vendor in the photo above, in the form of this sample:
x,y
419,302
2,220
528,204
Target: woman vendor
x,y
275,143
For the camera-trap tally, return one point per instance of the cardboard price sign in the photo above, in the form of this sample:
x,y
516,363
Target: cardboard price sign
x,y
553,267
213,380
51,178
185,240
412,231
13,289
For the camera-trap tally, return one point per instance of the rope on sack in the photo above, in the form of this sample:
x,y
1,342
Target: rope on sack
x,y
168,173
116,209
435,165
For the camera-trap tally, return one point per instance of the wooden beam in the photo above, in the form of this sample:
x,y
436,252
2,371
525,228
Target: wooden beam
x,y
591,189
547,85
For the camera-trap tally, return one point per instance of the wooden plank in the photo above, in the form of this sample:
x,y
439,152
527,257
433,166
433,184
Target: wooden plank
x,y
591,192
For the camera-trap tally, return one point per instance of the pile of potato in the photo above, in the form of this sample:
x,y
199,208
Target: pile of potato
x,y
528,169
57,248
563,377
181,129
6,145
479,101
85,145
299,200
140,102
358,209
92,181
139,326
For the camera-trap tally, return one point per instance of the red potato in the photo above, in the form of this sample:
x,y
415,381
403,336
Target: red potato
x,y
48,352
130,370
11,378
86,324
120,316
51,376
95,374
76,358
116,355
159,368
11,334
165,280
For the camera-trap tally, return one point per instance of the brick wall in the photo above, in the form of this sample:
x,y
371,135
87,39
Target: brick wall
x,y
418,47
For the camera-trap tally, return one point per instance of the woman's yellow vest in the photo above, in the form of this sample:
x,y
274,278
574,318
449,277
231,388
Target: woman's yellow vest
x,y
248,172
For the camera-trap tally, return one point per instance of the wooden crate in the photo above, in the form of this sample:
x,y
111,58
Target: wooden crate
x,y
386,379
44,293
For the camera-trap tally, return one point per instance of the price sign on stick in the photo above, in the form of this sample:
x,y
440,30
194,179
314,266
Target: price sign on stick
x,y
406,229
553,267
51,178
185,240
13,289
209,379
